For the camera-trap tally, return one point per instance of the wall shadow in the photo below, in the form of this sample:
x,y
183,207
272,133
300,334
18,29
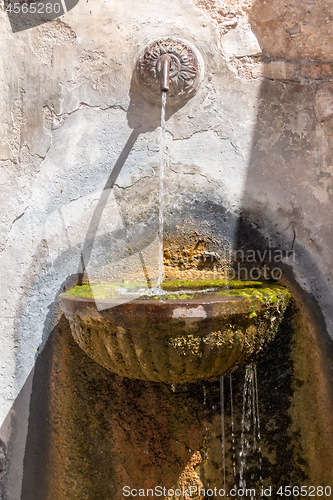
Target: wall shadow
x,y
101,424
142,116
92,432
284,145
26,14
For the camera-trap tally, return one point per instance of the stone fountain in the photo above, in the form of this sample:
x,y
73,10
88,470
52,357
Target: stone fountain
x,y
182,331
178,336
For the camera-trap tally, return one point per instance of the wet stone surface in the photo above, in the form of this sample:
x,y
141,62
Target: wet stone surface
x,y
144,434
177,338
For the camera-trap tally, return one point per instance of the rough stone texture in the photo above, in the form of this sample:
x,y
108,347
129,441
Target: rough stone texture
x,y
197,337
240,43
312,406
92,433
252,151
296,36
324,102
302,29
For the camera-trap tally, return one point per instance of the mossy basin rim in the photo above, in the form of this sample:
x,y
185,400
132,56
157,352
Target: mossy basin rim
x,y
182,290
196,330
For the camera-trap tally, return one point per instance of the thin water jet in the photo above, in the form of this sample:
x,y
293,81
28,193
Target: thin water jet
x,y
222,427
232,428
250,431
255,372
161,194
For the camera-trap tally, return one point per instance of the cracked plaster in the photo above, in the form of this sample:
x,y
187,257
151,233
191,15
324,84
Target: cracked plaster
x,y
91,78
256,137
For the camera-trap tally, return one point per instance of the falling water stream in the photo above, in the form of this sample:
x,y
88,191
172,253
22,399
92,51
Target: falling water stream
x,y
222,427
249,447
206,427
250,437
250,431
232,428
246,425
258,419
161,195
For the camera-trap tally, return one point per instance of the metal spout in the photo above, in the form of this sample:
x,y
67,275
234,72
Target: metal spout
x,y
164,64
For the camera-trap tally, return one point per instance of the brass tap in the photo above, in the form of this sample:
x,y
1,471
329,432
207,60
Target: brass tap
x,y
163,68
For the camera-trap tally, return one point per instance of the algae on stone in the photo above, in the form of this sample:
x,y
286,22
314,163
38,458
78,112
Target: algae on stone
x,y
265,292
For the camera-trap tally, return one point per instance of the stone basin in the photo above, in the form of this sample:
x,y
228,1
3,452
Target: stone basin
x,y
182,336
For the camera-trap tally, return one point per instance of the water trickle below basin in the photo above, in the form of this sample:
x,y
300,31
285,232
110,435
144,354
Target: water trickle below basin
x,y
191,331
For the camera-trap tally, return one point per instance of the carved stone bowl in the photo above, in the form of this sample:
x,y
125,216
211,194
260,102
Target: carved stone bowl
x,y
177,338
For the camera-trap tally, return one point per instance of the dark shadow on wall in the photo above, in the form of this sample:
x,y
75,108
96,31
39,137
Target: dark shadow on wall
x,y
92,432
276,208
95,220
142,116
26,14
285,145
14,432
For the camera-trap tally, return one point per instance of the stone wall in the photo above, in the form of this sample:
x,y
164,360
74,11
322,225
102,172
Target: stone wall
x,y
249,156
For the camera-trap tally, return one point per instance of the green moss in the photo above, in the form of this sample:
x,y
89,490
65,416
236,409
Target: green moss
x,y
193,349
225,284
103,290
268,294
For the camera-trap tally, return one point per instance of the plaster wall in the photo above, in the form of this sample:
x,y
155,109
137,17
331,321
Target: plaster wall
x,y
255,141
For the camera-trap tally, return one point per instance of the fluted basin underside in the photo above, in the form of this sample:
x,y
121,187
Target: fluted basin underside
x,y
177,338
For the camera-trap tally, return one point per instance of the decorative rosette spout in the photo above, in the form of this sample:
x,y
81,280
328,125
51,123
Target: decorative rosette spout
x,y
170,65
